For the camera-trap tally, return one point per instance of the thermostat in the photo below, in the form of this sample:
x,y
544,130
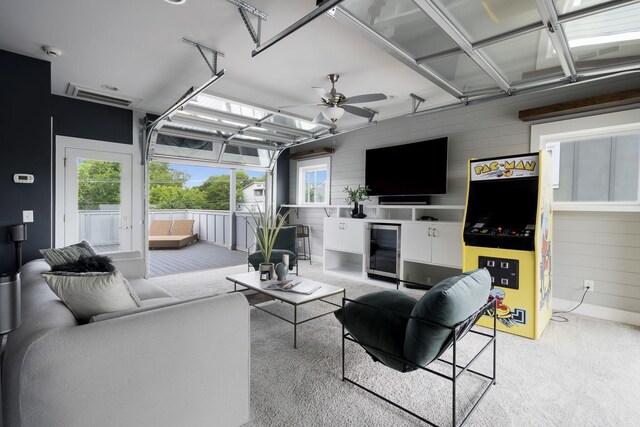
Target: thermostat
x,y
23,178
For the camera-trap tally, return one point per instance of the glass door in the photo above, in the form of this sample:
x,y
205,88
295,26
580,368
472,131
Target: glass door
x,y
98,199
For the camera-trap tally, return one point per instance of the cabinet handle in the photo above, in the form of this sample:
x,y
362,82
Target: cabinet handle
x,y
435,232
429,232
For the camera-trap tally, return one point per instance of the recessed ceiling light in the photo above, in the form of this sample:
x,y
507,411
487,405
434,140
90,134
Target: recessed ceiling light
x,y
109,87
176,1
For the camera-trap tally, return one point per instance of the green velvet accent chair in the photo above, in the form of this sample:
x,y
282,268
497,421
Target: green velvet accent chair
x,y
285,244
407,334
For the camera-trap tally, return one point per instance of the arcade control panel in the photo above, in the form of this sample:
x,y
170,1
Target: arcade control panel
x,y
497,236
504,272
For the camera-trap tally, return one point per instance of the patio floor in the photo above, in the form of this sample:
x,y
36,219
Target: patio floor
x,y
198,256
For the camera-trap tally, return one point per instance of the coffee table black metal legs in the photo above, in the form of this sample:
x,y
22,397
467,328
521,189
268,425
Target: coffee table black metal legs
x,y
295,321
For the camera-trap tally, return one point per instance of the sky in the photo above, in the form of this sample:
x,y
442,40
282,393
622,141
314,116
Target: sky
x,y
199,174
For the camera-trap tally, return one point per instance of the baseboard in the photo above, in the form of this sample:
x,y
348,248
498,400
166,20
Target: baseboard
x,y
598,311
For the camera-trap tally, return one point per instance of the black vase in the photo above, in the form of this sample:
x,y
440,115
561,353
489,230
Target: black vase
x,y
360,213
354,211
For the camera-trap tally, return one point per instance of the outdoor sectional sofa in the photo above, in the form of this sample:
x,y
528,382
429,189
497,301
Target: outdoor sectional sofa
x,y
166,363
167,234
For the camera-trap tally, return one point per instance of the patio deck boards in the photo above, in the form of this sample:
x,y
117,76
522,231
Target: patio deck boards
x,y
198,256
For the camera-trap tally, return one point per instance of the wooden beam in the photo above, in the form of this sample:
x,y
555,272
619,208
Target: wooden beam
x,y
317,152
591,103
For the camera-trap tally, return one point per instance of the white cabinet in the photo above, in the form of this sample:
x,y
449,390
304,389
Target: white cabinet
x,y
432,243
343,234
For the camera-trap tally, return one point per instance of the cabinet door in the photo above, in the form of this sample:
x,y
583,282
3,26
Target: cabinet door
x,y
333,233
415,243
353,236
447,245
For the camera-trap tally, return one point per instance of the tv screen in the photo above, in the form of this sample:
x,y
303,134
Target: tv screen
x,y
419,168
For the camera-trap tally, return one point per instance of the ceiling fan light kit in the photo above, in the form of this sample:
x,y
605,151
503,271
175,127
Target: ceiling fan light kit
x,y
333,113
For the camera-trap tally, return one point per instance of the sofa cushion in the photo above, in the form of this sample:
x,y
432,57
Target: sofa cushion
x,y
84,264
448,303
56,256
146,305
89,294
147,290
377,326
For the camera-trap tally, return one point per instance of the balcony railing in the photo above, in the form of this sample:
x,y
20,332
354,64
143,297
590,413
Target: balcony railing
x,y
101,227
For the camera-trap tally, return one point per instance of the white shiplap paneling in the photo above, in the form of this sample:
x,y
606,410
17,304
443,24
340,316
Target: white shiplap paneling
x,y
604,247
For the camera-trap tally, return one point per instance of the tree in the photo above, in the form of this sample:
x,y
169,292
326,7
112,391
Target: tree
x,y
172,197
98,184
216,189
163,174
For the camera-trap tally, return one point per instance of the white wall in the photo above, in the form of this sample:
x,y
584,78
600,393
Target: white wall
x,y
604,247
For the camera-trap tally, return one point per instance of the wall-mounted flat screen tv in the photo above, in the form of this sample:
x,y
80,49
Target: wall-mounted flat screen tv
x,y
419,168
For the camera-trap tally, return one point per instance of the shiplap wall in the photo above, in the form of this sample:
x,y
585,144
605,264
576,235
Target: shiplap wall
x,y
604,247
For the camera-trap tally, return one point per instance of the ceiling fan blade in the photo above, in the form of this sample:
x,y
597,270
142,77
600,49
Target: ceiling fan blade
x,y
315,104
358,111
369,97
321,92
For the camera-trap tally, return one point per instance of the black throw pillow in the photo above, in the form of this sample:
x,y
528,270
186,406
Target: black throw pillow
x,y
94,263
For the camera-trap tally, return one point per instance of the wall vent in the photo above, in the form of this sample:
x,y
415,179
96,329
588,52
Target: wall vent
x,y
93,95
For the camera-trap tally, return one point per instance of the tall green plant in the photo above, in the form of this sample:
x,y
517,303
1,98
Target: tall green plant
x,y
266,227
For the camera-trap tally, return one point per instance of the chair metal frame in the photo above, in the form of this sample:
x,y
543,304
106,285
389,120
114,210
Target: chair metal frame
x,y
458,331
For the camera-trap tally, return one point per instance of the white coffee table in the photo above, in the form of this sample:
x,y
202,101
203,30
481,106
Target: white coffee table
x,y
252,281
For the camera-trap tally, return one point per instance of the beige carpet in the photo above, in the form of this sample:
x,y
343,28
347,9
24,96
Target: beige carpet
x,y
582,373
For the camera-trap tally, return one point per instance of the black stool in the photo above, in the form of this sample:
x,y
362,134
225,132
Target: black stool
x,y
303,233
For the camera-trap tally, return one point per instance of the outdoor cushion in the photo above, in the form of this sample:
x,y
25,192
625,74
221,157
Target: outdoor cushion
x,y
160,227
378,327
449,302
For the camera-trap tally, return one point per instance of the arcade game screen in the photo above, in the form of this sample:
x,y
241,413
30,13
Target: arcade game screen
x,y
502,213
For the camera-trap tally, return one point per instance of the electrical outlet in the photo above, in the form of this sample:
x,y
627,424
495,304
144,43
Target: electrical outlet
x,y
588,285
27,216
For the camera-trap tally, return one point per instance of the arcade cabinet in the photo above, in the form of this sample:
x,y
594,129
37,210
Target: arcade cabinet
x,y
507,229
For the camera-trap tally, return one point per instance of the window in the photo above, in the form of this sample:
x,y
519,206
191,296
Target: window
x,y
596,161
314,178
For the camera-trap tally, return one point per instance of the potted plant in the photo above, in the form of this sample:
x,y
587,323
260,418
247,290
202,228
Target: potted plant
x,y
356,195
266,226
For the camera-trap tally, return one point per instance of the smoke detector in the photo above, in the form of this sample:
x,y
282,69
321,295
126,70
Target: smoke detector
x,y
52,51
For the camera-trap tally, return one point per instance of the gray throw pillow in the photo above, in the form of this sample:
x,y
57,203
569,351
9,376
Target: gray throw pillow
x,y
448,303
57,256
90,294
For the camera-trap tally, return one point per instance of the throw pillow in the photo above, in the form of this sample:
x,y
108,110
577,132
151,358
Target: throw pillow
x,y
448,303
89,294
377,324
97,263
56,256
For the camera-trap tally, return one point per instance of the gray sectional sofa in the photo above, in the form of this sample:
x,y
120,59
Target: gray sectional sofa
x,y
168,363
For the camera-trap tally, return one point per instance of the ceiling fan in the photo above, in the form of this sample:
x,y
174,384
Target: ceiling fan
x,y
336,103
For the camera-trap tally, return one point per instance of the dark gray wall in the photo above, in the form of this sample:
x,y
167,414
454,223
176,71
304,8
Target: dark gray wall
x,y
282,184
25,147
81,119
26,111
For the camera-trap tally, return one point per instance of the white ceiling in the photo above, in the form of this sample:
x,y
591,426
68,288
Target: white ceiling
x,y
136,46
